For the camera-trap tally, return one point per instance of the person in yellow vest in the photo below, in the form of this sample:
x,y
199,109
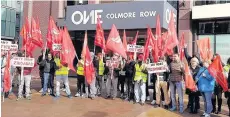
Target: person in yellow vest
x,y
62,76
80,78
140,79
100,68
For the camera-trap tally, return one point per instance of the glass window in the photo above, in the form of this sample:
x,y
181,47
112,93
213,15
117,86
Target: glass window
x,y
3,27
3,13
7,32
13,16
70,2
3,2
222,46
12,29
8,3
7,14
206,27
222,27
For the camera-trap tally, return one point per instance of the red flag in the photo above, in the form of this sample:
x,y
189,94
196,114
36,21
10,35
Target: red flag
x,y
68,52
153,43
23,34
216,70
158,33
189,82
99,38
205,48
114,42
36,37
52,34
83,52
181,47
148,44
124,41
7,82
134,42
172,40
88,67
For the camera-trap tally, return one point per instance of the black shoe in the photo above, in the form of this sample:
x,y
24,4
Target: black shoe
x,y
156,106
166,107
43,95
107,97
52,95
217,112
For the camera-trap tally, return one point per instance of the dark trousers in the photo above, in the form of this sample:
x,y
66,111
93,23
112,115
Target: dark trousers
x,y
194,102
227,95
154,90
122,82
99,83
80,84
130,90
147,88
51,83
217,95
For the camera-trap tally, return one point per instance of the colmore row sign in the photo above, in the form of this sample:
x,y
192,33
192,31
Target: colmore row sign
x,y
125,15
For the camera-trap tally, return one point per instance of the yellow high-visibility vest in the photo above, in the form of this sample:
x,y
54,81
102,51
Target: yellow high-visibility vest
x,y
101,67
63,70
80,68
139,74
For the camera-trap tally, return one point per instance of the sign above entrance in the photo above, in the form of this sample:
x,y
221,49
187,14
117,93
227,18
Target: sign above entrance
x,y
125,15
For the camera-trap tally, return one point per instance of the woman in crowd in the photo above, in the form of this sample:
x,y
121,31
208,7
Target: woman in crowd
x,y
206,86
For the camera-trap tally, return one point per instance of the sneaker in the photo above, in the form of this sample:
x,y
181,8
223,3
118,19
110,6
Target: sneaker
x,y
142,103
70,96
148,98
172,109
181,110
52,95
19,98
28,98
77,95
48,90
41,90
63,90
207,115
204,114
153,102
43,94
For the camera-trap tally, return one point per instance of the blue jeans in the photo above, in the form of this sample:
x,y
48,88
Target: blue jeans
x,y
207,97
47,78
59,79
179,91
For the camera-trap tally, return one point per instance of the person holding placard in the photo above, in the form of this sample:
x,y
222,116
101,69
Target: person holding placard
x,y
140,79
49,71
80,78
25,79
112,77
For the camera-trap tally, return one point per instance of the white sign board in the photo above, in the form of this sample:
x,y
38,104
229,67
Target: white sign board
x,y
135,48
56,47
5,42
13,48
156,67
23,62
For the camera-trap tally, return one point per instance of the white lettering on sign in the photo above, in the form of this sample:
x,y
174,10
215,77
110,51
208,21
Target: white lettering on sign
x,y
56,47
78,17
156,67
23,62
135,48
5,42
121,15
168,16
147,14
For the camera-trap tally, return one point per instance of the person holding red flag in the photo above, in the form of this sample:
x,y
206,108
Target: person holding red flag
x,y
206,86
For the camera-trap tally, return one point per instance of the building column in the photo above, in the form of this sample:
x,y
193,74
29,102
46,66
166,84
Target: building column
x,y
30,10
61,9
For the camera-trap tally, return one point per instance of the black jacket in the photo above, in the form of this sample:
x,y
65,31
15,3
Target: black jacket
x,y
53,66
41,68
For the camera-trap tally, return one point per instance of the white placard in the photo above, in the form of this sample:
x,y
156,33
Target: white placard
x,y
23,62
13,48
5,42
135,48
56,47
156,67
